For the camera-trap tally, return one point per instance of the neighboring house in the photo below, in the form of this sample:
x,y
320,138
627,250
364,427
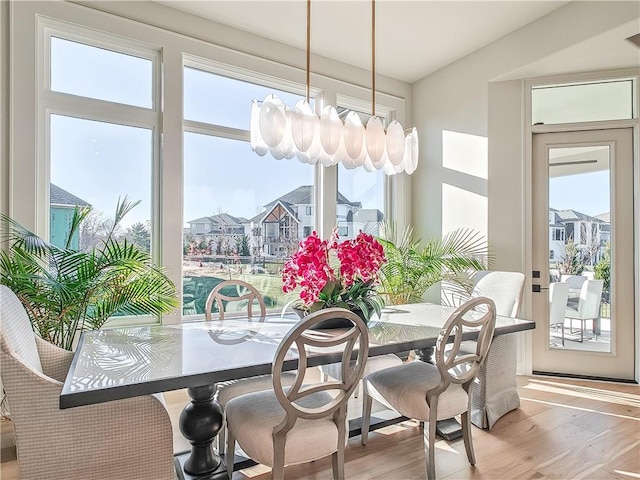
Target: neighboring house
x,y
290,217
589,233
220,230
63,204
284,221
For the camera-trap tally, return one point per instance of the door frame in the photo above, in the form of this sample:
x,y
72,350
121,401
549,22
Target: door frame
x,y
526,345
618,362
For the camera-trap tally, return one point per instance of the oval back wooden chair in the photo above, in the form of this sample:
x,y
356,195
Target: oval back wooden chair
x,y
301,423
245,292
429,392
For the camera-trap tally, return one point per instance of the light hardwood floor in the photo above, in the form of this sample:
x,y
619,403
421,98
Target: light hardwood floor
x,y
564,429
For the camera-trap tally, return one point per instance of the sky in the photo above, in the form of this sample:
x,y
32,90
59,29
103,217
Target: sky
x,y
99,161
586,193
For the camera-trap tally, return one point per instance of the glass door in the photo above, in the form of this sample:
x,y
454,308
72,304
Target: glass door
x,y
583,277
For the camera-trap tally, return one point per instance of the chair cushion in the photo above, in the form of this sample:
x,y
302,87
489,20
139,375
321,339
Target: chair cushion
x,y
234,388
404,389
16,334
373,364
252,418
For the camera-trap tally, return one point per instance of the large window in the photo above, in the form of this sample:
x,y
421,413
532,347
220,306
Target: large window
x,y
97,157
244,214
108,107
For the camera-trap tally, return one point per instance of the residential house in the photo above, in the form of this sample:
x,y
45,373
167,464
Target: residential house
x,y
589,233
63,204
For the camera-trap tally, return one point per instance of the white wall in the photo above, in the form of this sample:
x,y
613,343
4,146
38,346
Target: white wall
x,y
483,186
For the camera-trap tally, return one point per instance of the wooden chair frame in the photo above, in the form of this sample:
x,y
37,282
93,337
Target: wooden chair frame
x,y
301,337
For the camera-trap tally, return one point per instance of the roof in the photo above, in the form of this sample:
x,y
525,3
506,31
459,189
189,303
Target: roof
x,y
574,216
223,219
59,196
304,196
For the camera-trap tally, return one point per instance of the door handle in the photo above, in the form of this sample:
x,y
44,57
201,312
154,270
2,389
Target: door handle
x,y
538,288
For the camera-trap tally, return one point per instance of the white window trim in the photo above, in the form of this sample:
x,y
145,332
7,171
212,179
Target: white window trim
x,y
30,103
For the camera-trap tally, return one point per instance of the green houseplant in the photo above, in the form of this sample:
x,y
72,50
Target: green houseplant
x,y
412,267
65,291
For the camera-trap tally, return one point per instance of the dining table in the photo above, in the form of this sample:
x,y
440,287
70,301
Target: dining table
x,y
117,363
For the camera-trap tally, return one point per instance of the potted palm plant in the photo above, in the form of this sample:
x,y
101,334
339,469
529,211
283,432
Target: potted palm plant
x,y
65,291
412,267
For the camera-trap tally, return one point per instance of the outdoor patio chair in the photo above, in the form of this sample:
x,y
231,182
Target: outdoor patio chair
x,y
588,307
128,438
558,297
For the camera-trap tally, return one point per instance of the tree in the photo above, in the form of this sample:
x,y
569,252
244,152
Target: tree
x,y
603,267
242,246
94,228
571,261
139,235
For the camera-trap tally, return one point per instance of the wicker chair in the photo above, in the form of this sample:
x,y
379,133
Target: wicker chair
x,y
129,438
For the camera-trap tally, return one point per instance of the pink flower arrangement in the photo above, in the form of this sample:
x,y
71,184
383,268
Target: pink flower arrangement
x,y
336,274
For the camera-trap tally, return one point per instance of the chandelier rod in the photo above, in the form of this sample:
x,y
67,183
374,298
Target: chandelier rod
x,y
373,57
308,49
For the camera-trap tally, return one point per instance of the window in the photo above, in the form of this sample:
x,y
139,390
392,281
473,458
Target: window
x,y
167,113
93,72
558,234
257,207
360,198
97,158
551,254
583,102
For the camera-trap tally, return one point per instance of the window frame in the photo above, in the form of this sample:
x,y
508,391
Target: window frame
x,y
173,39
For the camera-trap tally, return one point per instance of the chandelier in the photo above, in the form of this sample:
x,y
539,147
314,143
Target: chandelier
x,y
300,132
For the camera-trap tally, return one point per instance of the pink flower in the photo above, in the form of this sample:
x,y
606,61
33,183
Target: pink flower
x,y
309,268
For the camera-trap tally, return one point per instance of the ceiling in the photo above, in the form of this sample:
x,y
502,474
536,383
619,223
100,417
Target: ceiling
x,y
432,34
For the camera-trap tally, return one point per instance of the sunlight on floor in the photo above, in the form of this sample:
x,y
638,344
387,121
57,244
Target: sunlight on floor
x,y
627,474
620,398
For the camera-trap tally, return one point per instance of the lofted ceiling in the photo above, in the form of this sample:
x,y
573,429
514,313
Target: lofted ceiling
x,y
413,38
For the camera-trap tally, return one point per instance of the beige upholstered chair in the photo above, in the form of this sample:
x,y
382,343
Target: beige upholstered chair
x,y
588,307
373,364
227,390
129,438
558,297
496,391
429,392
301,423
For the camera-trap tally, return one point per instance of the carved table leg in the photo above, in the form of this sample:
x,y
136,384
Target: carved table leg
x,y
200,422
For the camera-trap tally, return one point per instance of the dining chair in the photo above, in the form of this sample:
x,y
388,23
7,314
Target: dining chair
x,y
303,422
227,390
130,438
558,297
495,393
245,292
588,307
429,393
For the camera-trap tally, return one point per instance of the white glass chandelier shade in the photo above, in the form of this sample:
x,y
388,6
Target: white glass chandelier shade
x,y
286,133
324,138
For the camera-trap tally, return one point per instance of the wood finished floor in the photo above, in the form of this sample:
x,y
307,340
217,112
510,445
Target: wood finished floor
x,y
564,429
